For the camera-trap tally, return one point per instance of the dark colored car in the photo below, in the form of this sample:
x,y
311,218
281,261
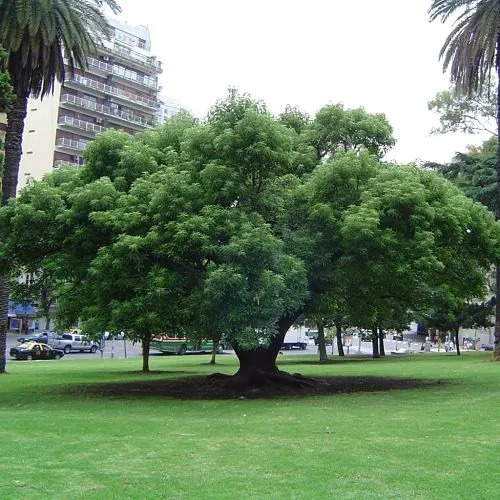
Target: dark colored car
x,y
41,337
35,350
487,347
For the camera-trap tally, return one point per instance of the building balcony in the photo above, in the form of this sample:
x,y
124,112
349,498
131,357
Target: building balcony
x,y
83,126
70,144
64,163
103,66
122,72
103,88
128,54
116,116
133,78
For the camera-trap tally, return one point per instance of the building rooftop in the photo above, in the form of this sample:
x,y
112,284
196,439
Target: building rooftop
x,y
141,31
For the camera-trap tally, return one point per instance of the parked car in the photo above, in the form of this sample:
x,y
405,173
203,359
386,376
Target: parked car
x,y
487,347
74,342
35,350
41,337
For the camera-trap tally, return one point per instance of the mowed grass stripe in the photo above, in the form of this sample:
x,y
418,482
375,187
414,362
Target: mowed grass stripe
x,y
433,442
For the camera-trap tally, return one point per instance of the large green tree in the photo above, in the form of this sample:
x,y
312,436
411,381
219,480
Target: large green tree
x,y
208,227
472,53
41,38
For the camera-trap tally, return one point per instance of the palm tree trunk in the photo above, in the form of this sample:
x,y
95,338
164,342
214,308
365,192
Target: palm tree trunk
x,y
496,351
4,306
12,158
13,147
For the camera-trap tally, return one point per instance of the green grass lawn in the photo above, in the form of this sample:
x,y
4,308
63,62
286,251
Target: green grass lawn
x,y
439,442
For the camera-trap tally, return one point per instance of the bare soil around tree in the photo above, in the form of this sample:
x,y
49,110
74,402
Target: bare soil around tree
x,y
223,387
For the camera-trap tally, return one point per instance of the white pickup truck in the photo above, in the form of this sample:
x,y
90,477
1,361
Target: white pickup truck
x,y
73,342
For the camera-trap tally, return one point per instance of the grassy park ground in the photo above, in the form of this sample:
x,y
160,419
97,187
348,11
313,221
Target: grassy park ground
x,y
65,435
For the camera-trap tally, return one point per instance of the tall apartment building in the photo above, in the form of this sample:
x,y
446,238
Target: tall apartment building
x,y
119,89
168,108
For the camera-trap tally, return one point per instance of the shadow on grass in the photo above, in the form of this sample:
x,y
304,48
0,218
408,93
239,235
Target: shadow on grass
x,y
356,359
207,388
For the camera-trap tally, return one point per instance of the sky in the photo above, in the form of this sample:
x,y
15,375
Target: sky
x,y
381,55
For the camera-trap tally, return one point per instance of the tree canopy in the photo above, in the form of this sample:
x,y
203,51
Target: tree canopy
x,y
472,53
209,228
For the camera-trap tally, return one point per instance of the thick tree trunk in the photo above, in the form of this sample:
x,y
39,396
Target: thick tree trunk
x,y
381,336
496,351
457,342
12,158
146,342
338,334
323,356
375,350
258,366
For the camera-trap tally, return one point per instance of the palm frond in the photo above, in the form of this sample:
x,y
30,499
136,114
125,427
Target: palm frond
x,y
445,8
40,34
469,51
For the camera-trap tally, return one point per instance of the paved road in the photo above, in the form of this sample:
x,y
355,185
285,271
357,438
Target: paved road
x,y
112,349
125,348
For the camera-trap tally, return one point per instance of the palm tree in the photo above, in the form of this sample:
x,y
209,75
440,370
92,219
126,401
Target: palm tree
x,y
42,38
472,53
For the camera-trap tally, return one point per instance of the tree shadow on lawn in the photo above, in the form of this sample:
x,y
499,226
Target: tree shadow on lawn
x,y
357,359
216,388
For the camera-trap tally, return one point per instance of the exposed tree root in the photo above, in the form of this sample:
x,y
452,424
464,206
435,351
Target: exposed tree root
x,y
259,379
496,355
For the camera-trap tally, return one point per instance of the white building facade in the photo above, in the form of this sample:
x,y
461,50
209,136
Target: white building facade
x,y
118,90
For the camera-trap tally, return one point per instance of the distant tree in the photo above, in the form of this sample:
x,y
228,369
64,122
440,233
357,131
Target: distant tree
x,y
450,314
383,284
472,52
474,173
295,119
459,112
337,129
